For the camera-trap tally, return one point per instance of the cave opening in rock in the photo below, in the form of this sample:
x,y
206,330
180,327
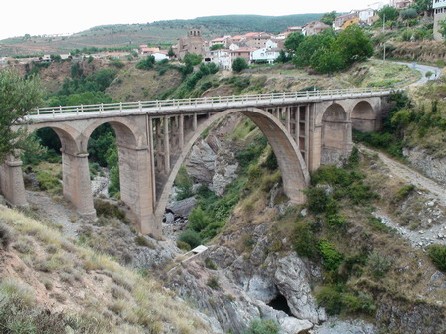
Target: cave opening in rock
x,y
280,303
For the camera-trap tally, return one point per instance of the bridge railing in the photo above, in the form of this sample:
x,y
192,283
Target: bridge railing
x,y
159,105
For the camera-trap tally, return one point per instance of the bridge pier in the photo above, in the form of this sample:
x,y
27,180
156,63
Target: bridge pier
x,y
11,182
136,188
77,183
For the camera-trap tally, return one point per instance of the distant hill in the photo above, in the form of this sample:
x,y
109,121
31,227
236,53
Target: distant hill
x,y
157,33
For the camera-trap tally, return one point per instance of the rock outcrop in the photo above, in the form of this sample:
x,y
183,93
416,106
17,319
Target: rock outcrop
x,y
432,167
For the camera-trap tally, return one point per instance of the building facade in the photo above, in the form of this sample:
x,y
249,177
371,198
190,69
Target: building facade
x,y
439,8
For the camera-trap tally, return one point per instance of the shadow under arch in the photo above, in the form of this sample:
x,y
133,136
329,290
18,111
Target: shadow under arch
x,y
125,132
294,170
364,117
67,135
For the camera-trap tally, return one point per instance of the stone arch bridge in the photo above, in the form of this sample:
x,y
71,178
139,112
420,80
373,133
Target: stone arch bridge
x,y
304,129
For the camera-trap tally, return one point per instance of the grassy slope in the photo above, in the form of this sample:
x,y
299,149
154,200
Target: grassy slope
x,y
80,288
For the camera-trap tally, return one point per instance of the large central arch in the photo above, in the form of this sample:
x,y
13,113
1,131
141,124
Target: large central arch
x,y
294,170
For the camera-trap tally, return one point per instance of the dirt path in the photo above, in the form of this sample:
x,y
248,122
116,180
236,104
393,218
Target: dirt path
x,y
404,172
57,213
437,196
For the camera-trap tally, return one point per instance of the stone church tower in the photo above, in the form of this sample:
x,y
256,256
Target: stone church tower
x,y
193,43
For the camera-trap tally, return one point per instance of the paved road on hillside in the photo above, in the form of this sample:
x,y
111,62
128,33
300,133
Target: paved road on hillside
x,y
423,69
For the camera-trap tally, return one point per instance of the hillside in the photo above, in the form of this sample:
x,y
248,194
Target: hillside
x,y
50,284
156,33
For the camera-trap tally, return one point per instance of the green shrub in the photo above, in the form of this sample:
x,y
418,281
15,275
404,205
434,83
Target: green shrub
x,y
210,264
108,209
378,265
213,283
336,222
330,256
263,326
378,225
142,241
305,241
183,245
338,301
403,193
330,298
437,253
49,182
191,237
184,184
146,63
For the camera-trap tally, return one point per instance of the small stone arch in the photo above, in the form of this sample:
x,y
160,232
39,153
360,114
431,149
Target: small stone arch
x,y
294,170
364,117
126,132
336,134
67,135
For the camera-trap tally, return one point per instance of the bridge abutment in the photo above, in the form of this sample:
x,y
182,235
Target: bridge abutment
x,y
11,182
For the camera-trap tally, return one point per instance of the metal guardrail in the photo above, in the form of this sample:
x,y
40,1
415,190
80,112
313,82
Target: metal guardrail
x,y
220,101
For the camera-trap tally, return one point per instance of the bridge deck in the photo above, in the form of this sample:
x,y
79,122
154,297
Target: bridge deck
x,y
206,104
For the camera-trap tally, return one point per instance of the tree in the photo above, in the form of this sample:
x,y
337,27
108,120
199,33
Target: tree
x,y
293,41
409,13
311,45
146,63
353,45
423,6
283,57
328,18
192,59
388,13
239,64
217,47
170,53
18,96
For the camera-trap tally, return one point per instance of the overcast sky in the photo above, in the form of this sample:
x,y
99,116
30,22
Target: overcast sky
x,y
20,17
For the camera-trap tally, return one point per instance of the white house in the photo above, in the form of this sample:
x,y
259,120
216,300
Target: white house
x,y
233,47
366,15
159,56
439,7
270,44
264,55
222,58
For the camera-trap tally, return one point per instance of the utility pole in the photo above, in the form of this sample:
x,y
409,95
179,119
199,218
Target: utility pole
x,y
384,43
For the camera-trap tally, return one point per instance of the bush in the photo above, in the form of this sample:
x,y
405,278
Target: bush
x,y
437,253
330,256
378,265
305,241
190,237
318,201
336,300
213,283
49,182
107,209
184,184
146,63
5,236
142,241
239,64
262,326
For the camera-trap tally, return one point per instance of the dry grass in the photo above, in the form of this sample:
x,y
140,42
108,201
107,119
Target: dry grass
x,y
78,281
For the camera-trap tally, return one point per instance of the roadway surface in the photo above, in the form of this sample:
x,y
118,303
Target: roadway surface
x,y
423,69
